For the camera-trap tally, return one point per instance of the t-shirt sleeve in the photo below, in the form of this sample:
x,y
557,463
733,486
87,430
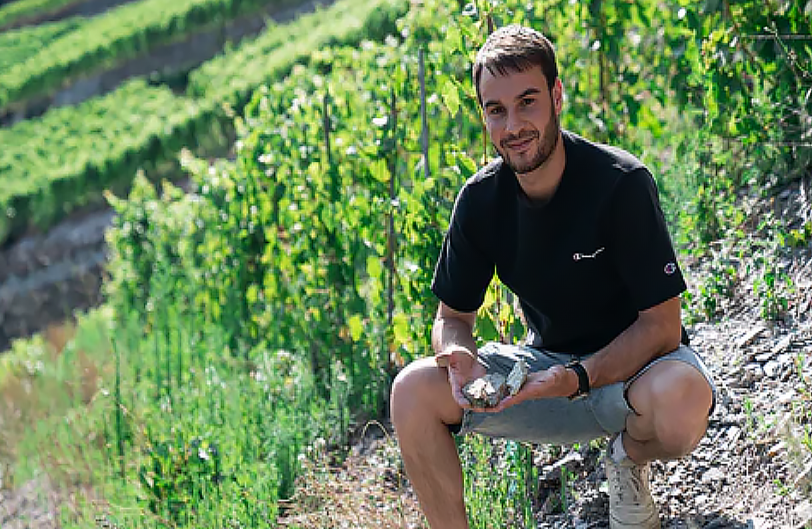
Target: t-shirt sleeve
x,y
642,249
463,270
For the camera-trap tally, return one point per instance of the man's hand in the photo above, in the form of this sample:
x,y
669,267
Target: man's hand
x,y
462,368
557,381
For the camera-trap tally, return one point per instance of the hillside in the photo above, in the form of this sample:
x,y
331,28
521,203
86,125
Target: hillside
x,y
56,167
753,468
237,373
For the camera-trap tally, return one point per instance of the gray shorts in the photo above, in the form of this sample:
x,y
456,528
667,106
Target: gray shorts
x,y
559,420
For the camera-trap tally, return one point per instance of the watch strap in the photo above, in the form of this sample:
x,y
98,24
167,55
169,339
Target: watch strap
x,y
583,380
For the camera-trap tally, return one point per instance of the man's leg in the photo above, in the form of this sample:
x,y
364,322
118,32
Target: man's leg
x,y
672,401
421,409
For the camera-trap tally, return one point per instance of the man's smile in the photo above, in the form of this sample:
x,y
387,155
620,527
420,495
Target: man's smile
x,y
519,144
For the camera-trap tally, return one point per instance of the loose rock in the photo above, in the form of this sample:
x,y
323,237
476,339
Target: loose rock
x,y
489,390
517,376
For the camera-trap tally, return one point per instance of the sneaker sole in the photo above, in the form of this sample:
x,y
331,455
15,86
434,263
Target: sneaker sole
x,y
651,523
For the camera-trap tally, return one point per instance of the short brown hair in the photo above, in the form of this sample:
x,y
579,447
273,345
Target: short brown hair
x,y
515,48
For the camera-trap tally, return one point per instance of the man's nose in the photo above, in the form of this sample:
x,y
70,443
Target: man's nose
x,y
512,123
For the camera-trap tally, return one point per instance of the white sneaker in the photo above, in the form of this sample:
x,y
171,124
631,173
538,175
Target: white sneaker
x,y
630,501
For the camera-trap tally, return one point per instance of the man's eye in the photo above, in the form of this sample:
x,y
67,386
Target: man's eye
x,y
527,101
496,111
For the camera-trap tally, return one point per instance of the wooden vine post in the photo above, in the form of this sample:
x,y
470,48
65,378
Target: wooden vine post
x,y
391,243
424,128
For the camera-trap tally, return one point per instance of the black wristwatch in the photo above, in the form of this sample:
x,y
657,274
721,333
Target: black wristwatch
x,y
583,380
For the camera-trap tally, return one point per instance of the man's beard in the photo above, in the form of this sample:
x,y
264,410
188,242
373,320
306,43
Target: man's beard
x,y
546,146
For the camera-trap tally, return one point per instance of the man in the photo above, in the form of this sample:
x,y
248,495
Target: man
x,y
575,230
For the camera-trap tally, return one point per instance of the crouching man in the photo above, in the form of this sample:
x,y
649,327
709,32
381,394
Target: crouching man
x,y
575,230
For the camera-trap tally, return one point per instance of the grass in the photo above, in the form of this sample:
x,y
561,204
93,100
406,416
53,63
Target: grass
x,y
20,12
213,442
500,482
181,446
365,487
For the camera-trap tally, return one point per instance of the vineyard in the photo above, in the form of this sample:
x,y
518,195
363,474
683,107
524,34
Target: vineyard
x,y
258,320
18,46
125,32
33,193
18,13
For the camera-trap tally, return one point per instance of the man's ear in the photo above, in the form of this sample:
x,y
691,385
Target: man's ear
x,y
558,95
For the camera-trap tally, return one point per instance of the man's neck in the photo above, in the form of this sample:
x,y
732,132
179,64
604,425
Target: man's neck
x,y
540,185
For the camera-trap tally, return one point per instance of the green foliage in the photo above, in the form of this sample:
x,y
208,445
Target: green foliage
x,y
20,12
289,236
499,319
122,33
751,250
714,288
206,441
19,45
500,482
743,67
234,76
751,77
772,285
53,164
176,472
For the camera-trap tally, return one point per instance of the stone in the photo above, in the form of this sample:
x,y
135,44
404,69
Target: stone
x,y
764,357
783,345
753,372
571,462
517,376
487,391
777,449
771,368
749,336
803,513
712,475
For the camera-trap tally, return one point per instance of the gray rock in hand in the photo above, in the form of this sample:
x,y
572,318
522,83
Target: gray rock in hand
x,y
517,376
489,390
486,392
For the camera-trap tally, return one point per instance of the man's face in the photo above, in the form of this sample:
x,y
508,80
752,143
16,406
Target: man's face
x,y
521,115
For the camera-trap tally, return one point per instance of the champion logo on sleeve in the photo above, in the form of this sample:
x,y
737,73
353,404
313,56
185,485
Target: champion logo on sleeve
x,y
670,268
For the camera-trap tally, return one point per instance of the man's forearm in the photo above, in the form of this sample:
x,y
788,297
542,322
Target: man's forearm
x,y
452,333
644,340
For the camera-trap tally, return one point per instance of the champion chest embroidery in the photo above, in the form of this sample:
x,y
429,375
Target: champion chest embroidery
x,y
670,268
578,256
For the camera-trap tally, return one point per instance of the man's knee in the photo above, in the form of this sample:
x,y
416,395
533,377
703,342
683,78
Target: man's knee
x,y
675,399
421,391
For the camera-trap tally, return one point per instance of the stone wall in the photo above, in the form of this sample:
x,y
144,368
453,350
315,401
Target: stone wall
x,y
44,278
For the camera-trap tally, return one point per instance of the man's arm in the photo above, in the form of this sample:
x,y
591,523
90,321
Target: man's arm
x,y
657,331
452,338
453,330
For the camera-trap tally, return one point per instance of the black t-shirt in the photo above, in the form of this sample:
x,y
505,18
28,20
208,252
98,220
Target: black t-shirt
x,y
582,264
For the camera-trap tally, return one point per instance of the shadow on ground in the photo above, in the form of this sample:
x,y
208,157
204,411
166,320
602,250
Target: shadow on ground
x,y
706,521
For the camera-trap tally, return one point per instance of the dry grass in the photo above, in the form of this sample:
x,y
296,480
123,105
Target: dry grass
x,y
33,390
58,336
368,490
